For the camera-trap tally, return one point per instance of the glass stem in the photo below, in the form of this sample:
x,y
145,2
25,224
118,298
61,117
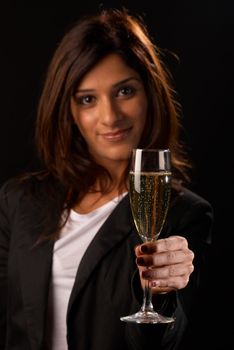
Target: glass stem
x,y
147,300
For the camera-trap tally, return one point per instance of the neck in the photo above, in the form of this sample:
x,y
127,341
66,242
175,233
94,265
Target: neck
x,y
95,199
117,171
104,189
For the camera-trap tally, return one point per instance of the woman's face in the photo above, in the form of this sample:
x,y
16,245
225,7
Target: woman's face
x,y
109,108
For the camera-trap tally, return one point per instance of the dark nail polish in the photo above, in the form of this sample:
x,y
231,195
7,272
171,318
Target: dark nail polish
x,y
146,274
144,248
140,261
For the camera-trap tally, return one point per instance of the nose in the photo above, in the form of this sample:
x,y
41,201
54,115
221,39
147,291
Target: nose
x,y
110,112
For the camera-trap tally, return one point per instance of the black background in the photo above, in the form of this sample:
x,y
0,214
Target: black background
x,y
201,35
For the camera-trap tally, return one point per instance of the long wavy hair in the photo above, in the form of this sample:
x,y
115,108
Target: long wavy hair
x,y
62,149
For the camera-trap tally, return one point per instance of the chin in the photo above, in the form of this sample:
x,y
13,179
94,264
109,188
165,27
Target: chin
x,y
117,152
121,153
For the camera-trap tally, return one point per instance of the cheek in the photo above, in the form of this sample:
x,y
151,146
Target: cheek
x,y
84,122
84,128
141,115
80,118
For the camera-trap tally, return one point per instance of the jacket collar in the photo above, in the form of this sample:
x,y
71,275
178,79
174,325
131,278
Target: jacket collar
x,y
36,262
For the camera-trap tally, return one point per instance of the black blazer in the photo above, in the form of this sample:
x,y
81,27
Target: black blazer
x,y
107,284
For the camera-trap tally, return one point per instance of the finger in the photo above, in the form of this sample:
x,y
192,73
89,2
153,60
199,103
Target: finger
x,y
167,272
172,283
162,245
160,289
165,258
145,248
171,243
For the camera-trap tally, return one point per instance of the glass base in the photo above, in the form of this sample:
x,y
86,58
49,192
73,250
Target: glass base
x,y
147,317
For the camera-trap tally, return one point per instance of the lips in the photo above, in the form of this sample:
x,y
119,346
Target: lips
x,y
117,135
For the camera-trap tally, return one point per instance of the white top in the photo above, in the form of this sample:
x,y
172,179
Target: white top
x,y
69,249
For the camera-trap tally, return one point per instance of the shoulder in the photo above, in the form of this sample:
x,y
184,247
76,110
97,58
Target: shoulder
x,y
9,190
190,212
12,193
16,187
188,198
31,189
10,197
32,203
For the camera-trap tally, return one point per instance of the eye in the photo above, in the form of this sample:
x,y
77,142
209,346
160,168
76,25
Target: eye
x,y
85,100
126,91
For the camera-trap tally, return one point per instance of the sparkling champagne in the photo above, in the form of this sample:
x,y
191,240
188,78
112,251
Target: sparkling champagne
x,y
150,197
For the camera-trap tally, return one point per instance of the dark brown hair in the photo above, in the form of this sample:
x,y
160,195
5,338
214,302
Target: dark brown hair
x,y
60,145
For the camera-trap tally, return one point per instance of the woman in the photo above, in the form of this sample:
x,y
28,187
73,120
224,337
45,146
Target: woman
x,y
71,262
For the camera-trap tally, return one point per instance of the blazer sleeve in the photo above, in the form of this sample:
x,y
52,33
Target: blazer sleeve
x,y
192,219
196,225
4,248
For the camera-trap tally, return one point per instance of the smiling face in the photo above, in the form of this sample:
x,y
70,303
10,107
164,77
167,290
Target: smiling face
x,y
109,107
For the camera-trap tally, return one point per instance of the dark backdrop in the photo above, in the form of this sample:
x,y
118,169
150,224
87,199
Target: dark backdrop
x,y
200,34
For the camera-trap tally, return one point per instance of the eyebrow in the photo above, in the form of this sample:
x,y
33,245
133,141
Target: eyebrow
x,y
119,83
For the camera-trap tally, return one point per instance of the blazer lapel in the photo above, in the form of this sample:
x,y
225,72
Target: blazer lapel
x,y
35,268
117,226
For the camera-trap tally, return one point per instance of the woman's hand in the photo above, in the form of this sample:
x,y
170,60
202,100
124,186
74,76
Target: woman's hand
x,y
167,263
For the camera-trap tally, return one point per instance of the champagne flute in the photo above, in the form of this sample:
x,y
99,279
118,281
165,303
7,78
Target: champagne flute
x,y
150,188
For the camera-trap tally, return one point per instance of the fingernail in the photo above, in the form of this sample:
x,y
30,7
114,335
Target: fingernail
x,y
140,261
144,249
146,274
155,283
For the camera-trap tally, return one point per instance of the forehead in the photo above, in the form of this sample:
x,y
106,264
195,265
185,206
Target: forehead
x,y
109,70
